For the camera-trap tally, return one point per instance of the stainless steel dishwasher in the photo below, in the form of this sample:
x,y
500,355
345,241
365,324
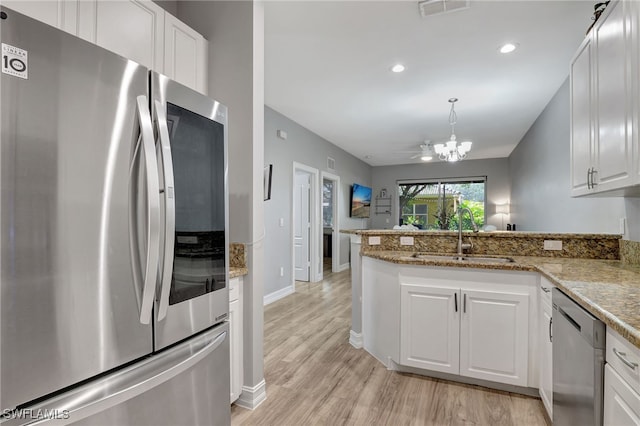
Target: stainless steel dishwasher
x,y
578,364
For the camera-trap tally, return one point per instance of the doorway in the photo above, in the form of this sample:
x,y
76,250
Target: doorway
x,y
330,228
302,225
305,213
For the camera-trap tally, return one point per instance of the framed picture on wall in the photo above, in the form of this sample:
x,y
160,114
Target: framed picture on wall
x,y
268,171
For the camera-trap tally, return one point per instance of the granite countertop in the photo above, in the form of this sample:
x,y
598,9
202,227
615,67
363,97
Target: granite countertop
x,y
237,272
608,289
488,234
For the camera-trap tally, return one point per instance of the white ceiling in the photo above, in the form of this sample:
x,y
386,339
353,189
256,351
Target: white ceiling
x,y
327,67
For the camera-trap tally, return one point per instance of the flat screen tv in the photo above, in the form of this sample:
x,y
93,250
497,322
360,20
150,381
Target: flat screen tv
x,y
360,201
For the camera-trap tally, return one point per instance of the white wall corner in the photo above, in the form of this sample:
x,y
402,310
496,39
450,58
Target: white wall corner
x,y
355,339
344,267
252,397
278,294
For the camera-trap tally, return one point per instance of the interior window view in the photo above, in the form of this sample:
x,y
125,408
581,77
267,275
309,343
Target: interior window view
x,y
307,212
435,204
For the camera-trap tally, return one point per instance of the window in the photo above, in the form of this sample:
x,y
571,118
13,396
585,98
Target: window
x,y
433,203
327,203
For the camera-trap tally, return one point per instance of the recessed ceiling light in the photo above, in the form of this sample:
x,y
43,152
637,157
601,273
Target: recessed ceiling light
x,y
508,47
397,68
426,158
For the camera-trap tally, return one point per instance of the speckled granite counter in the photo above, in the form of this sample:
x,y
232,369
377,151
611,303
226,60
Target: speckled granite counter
x,y
237,260
609,289
237,272
592,246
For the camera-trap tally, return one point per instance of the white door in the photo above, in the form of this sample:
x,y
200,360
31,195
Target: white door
x,y
430,327
185,54
613,88
621,401
581,120
545,350
302,225
494,330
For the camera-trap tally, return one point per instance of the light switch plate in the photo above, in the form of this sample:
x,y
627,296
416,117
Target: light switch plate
x,y
553,244
374,241
406,241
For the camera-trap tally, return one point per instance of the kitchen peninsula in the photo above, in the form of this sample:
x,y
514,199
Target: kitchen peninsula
x,y
504,277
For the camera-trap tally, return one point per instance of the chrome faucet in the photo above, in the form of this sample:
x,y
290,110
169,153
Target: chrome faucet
x,y
462,247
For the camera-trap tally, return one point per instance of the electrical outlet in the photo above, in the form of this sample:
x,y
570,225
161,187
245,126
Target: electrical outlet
x,y
282,222
623,225
282,271
406,241
553,244
374,241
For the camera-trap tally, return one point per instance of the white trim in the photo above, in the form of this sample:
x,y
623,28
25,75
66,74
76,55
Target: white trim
x,y
335,234
315,241
252,397
278,294
344,267
355,339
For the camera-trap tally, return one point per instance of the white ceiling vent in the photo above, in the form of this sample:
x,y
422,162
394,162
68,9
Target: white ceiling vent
x,y
436,7
331,163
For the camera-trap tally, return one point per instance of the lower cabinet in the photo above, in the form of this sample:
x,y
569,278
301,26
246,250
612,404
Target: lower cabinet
x,y
235,336
430,328
545,349
621,381
621,402
482,334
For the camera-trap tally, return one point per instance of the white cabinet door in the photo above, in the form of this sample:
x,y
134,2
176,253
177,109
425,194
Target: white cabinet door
x,y
613,99
545,348
621,402
581,119
429,327
61,14
235,337
494,332
185,54
131,28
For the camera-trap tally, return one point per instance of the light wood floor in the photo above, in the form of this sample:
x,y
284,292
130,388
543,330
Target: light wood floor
x,y
315,377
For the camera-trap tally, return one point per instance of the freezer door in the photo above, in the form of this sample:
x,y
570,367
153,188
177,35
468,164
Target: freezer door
x,y
69,305
187,384
193,291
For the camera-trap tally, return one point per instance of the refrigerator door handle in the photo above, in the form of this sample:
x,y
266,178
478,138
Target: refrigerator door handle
x,y
135,380
153,211
170,210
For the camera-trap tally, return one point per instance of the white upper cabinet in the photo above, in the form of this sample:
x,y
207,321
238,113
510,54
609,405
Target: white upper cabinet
x,y
136,29
185,54
62,14
131,28
603,79
582,149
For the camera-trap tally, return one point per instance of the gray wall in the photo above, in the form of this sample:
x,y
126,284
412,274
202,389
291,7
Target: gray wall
x,y
540,194
235,32
497,187
304,147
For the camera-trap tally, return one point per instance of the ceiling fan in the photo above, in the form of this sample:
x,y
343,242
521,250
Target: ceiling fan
x,y
425,152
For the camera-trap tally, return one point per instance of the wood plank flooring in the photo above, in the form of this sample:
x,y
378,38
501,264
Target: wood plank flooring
x,y
315,377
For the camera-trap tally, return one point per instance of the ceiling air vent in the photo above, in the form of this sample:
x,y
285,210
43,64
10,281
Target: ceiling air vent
x,y
331,163
436,7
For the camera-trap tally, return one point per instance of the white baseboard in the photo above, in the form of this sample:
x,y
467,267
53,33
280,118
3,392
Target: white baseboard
x,y
277,295
355,339
344,267
251,397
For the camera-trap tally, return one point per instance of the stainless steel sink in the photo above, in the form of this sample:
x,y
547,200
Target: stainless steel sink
x,y
463,258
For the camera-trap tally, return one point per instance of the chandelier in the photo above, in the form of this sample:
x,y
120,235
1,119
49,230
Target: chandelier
x,y
451,151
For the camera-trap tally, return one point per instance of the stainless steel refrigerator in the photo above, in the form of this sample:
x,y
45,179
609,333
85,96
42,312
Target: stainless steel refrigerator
x,y
113,230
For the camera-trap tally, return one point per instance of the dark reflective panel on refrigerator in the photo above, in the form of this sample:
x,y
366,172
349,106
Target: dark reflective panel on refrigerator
x,y
197,148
